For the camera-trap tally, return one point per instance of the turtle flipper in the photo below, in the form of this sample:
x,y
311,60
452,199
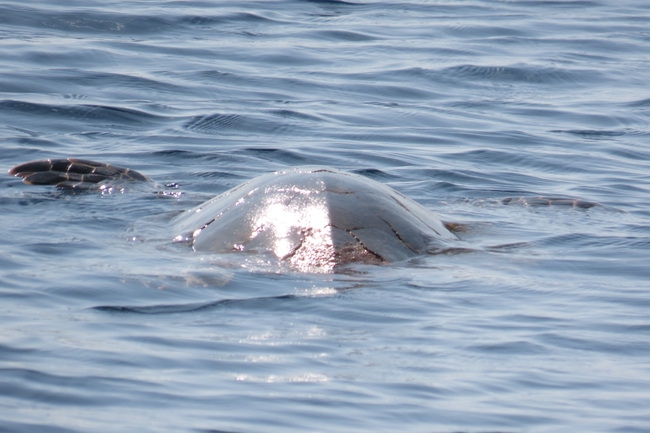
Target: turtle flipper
x,y
549,201
73,173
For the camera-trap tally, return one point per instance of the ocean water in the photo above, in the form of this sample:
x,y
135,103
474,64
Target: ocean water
x,y
538,323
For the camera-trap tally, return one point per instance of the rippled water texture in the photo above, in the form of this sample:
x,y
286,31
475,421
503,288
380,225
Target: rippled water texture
x,y
537,322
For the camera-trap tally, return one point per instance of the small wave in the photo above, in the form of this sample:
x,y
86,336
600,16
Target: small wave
x,y
233,124
510,348
276,155
240,18
640,103
518,74
583,241
591,133
340,35
292,114
376,174
217,175
333,2
78,21
176,153
194,307
81,113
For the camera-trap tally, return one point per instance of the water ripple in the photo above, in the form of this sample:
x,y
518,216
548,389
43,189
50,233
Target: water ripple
x,y
105,324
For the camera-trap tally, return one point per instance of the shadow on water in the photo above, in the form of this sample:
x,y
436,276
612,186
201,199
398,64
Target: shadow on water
x,y
254,303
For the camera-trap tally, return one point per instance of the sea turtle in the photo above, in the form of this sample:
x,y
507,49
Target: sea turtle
x,y
312,219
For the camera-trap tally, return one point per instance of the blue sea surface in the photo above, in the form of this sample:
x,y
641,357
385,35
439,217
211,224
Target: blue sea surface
x,y
539,323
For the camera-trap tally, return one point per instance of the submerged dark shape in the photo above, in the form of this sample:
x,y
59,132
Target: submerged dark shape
x,y
310,219
549,201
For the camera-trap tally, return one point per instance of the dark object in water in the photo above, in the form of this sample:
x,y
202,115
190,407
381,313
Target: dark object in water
x,y
73,173
549,201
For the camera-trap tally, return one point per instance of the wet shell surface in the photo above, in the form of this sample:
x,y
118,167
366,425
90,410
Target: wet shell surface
x,y
315,219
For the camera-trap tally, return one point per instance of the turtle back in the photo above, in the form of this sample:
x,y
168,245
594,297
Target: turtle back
x,y
314,220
